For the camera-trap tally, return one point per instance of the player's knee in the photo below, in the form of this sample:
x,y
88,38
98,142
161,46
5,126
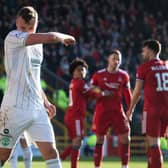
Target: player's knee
x,y
125,139
100,140
77,142
50,153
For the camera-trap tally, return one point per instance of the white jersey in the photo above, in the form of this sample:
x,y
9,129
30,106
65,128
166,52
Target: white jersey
x,y
22,65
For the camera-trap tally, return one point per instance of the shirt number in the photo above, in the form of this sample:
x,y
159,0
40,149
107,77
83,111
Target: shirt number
x,y
162,81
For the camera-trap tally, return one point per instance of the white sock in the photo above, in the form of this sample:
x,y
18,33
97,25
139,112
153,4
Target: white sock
x,y
53,163
14,158
124,166
27,157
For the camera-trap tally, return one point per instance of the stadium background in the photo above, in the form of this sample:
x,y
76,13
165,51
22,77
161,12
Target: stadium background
x,y
99,27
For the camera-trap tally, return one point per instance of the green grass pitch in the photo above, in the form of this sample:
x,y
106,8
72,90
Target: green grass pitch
x,y
136,162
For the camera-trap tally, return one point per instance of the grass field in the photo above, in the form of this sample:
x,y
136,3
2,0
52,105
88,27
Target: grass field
x,y
136,162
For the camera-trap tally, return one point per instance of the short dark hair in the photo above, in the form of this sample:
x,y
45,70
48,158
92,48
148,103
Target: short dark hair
x,y
117,52
76,62
27,13
154,45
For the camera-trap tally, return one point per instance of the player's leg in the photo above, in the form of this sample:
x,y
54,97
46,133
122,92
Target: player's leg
x,y
155,158
101,123
66,152
14,157
41,132
4,155
27,153
124,149
75,152
98,151
153,130
50,154
122,129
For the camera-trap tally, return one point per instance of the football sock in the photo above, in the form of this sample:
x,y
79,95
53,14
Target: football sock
x,y
14,158
156,157
66,153
124,152
53,163
149,158
98,155
75,157
27,157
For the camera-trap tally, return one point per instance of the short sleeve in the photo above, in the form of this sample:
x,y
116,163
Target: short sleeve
x,y
16,39
94,80
127,81
81,86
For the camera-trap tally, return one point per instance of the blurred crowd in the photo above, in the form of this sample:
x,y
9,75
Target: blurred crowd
x,y
99,27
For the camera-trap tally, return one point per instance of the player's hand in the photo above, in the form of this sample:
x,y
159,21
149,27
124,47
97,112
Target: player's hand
x,y
107,93
129,114
51,110
69,41
66,39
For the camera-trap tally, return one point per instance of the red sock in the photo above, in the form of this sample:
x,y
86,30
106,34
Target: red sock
x,y
149,158
98,155
156,157
124,152
66,153
74,157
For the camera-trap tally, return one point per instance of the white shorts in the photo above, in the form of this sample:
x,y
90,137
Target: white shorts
x,y
34,123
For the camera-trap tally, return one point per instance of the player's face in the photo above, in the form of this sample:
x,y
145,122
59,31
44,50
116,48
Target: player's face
x,y
114,61
80,72
26,27
146,52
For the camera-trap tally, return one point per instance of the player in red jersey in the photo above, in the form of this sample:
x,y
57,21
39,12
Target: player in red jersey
x,y
74,118
109,110
152,76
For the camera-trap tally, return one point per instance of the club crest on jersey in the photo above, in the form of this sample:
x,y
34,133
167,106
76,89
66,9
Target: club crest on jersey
x,y
119,79
105,79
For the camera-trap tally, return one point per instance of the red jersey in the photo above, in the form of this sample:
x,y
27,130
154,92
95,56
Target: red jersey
x,y
78,93
118,83
154,74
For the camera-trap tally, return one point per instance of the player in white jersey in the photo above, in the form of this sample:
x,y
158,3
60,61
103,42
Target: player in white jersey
x,y
25,106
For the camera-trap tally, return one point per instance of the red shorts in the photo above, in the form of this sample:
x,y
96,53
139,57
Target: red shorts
x,y
116,120
155,122
75,127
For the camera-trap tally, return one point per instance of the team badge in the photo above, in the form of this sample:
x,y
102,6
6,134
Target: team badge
x,y
119,79
105,79
5,141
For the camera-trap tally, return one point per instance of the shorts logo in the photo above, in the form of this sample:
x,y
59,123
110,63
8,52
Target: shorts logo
x,y
6,131
5,141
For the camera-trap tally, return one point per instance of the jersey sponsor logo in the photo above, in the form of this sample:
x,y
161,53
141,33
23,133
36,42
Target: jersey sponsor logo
x,y
5,139
112,85
6,131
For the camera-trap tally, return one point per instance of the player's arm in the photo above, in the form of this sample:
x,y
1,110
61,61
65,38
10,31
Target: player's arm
x,y
50,108
135,98
128,96
95,92
51,37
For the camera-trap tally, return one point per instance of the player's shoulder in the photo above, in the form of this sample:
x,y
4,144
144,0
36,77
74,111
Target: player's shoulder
x,y
101,71
17,34
78,82
123,72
